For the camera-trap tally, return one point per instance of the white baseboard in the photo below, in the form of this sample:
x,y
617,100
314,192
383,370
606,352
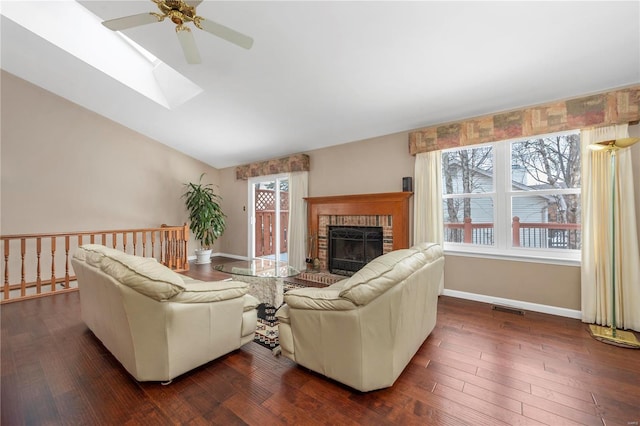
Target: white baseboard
x,y
232,256
535,307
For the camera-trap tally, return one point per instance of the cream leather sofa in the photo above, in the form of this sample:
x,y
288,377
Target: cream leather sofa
x,y
364,330
157,323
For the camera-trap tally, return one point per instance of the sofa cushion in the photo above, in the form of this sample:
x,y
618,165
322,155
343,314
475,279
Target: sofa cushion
x,y
210,291
432,251
317,298
250,303
144,275
93,253
382,273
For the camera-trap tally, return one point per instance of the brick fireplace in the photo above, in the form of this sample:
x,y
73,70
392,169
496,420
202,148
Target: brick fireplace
x,y
387,210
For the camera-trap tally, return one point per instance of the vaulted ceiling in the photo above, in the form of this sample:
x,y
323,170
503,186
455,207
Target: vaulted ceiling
x,y
321,73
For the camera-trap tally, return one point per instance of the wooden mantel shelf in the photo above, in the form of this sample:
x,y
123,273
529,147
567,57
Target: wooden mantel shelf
x,y
395,204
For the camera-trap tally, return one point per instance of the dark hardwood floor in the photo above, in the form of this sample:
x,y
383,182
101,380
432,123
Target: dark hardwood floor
x,y
478,367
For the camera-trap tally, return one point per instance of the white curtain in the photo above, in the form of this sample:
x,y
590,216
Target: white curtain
x,y
427,200
298,190
596,223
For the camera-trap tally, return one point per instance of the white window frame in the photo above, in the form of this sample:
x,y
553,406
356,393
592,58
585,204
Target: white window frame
x,y
501,196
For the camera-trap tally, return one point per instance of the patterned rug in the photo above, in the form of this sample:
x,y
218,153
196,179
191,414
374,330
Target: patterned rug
x,y
267,328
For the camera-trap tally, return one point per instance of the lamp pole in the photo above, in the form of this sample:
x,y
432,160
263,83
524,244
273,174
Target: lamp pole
x,y
612,236
612,335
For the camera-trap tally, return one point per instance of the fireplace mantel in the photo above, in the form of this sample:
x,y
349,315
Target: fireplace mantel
x,y
395,204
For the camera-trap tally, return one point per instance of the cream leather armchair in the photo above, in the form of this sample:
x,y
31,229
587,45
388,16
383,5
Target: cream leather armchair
x,y
364,330
157,323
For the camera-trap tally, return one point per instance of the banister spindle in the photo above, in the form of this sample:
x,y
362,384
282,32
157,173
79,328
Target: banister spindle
x,y
124,242
185,235
153,244
53,264
144,243
39,267
23,281
66,260
134,237
114,240
6,269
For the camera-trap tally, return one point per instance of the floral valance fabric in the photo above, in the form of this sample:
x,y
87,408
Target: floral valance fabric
x,y
615,107
292,163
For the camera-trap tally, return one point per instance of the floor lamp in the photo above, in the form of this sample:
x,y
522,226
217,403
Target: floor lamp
x,y
611,334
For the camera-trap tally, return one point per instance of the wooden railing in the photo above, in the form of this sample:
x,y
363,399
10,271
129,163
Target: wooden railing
x,y
547,235
265,222
469,233
37,265
524,234
265,232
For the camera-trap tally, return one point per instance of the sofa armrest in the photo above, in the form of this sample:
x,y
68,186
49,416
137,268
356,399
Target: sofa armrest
x,y
210,291
325,299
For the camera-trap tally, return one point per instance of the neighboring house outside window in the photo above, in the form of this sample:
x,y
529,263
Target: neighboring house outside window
x,y
514,198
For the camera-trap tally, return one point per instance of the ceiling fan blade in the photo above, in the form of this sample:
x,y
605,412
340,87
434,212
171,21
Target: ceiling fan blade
x,y
120,24
189,47
226,33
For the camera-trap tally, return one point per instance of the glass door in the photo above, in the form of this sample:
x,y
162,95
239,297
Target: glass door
x,y
268,227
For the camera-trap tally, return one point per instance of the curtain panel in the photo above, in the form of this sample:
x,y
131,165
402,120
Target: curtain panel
x,y
597,262
298,191
428,223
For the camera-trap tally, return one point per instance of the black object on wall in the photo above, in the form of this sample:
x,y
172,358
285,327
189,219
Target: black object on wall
x,y
407,184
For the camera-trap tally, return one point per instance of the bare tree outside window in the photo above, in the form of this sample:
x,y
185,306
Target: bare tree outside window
x,y
468,171
542,193
553,163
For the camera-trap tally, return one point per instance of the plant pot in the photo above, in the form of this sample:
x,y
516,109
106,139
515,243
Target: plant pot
x,y
203,256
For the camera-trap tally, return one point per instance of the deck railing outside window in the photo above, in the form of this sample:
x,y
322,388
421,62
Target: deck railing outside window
x,y
531,235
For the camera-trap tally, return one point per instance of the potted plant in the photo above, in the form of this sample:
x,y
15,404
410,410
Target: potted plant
x,y
207,221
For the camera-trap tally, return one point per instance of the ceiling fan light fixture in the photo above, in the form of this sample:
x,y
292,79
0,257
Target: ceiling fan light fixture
x,y
181,12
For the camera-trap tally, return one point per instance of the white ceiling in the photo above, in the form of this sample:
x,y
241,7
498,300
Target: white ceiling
x,y
327,73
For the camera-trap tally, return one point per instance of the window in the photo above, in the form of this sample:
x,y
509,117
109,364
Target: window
x,y
514,198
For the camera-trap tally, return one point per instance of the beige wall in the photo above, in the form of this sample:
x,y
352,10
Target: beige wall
x,y
65,168
371,166
363,167
234,199
540,283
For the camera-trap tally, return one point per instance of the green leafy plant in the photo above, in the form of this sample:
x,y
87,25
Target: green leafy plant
x,y
207,221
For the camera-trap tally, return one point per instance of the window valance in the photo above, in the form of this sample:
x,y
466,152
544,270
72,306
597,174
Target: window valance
x,y
292,163
615,107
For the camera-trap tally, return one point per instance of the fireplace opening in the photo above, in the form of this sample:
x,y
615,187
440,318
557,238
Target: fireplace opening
x,y
352,247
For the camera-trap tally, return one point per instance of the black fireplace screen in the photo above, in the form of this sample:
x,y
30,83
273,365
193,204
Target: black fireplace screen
x,y
352,247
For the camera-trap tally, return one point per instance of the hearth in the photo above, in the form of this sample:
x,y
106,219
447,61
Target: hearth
x,y
352,247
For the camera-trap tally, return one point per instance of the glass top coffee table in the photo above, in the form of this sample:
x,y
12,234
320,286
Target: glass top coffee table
x,y
264,276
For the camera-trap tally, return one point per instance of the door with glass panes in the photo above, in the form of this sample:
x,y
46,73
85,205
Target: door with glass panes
x,y
268,227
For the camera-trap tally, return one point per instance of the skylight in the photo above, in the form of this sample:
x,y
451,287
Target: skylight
x,y
118,56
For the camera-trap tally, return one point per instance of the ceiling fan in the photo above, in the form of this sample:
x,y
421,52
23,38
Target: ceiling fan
x,y
181,12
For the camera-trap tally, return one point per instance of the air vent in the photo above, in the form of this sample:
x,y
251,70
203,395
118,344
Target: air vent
x,y
507,309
